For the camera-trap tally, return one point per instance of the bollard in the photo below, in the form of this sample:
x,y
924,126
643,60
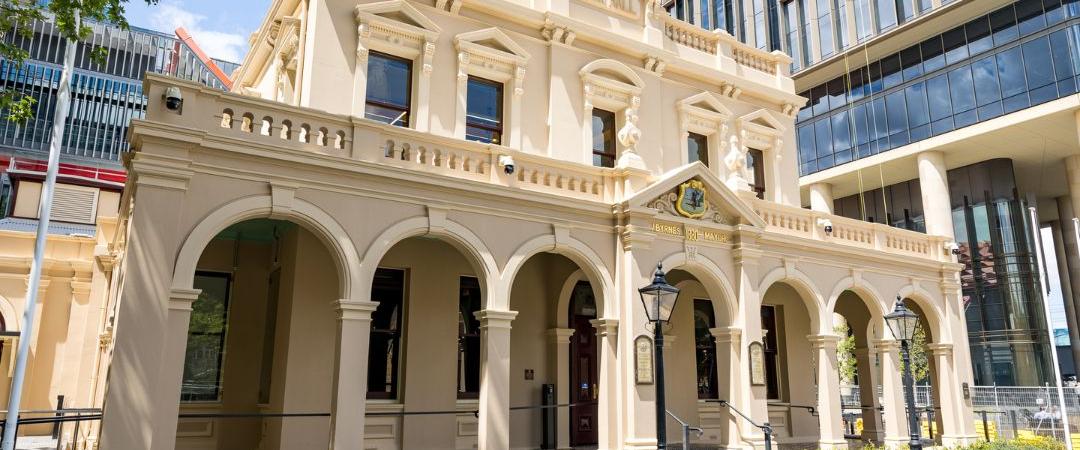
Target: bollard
x,y
549,423
986,428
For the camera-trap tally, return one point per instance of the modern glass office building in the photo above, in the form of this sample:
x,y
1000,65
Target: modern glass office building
x,y
106,94
887,80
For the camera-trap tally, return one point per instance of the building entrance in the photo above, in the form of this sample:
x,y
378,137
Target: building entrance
x,y
583,362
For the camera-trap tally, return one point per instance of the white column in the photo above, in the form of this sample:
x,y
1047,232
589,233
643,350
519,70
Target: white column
x,y
868,398
828,379
821,198
934,185
607,334
172,367
560,340
494,428
348,405
1062,257
892,391
728,344
950,395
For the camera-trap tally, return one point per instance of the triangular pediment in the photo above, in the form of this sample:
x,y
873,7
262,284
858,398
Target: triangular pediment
x,y
722,205
706,102
398,11
494,40
764,121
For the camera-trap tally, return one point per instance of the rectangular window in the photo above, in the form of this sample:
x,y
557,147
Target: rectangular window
x,y
389,89
842,25
791,33
825,28
864,25
886,12
698,148
603,138
469,302
755,166
384,353
704,321
760,40
772,351
724,19
206,338
484,111
904,10
1039,68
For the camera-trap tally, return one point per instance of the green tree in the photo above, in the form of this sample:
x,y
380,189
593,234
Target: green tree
x,y
845,353
920,363
16,16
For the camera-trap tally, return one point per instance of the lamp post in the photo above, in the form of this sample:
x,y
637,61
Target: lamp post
x,y
659,300
902,321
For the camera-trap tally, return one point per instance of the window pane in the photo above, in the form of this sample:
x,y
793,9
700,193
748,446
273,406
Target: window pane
x,y
912,63
962,89
890,71
1010,74
468,361
824,138
206,339
984,73
1064,63
388,89
825,28
933,54
1053,11
698,148
704,320
863,22
841,131
916,103
897,112
806,144
772,351
904,10
937,94
886,10
1037,63
484,111
955,45
388,290
1029,16
1003,25
603,129
836,93
978,35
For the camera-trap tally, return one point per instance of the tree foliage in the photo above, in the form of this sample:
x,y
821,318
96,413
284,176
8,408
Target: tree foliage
x,y
16,16
845,353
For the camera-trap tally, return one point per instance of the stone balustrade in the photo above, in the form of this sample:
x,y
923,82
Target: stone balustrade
x,y
809,224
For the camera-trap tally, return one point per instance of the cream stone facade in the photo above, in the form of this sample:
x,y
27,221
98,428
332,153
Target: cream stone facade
x,y
350,200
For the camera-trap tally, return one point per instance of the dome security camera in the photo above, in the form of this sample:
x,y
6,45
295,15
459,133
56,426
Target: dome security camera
x,y
174,100
507,163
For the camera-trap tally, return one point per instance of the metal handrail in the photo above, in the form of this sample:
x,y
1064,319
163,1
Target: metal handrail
x,y
764,427
686,428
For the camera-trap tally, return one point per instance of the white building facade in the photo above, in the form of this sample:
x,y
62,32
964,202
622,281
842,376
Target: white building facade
x,y
440,208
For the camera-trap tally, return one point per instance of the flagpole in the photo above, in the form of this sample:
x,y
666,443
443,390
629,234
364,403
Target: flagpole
x,y
60,114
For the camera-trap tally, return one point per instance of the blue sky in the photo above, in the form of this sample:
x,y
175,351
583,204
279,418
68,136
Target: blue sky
x,y
221,27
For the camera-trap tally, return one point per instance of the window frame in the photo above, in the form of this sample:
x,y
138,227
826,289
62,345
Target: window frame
x,y
609,150
611,86
462,351
408,94
500,107
706,344
395,390
475,59
223,340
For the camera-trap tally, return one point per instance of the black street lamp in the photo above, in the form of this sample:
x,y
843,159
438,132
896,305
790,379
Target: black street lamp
x,y
659,300
902,321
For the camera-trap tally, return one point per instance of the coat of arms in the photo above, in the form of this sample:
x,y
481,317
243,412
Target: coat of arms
x,y
691,201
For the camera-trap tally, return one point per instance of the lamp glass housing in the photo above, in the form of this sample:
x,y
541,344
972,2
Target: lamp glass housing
x,y
659,297
902,321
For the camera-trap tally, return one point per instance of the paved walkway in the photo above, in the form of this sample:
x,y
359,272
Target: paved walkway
x,y
35,443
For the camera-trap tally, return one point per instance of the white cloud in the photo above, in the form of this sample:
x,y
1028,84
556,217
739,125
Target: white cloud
x,y
170,14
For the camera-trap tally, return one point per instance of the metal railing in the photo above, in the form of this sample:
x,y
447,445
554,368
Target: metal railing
x,y
686,429
764,427
59,418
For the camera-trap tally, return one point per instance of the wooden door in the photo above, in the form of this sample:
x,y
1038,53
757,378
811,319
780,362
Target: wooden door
x,y
583,367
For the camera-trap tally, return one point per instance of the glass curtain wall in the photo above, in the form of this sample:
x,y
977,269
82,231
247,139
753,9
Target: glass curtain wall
x,y
1006,327
1019,56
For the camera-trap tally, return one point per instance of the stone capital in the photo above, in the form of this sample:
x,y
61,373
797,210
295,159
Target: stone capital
x,y
886,345
181,299
606,327
350,310
940,349
823,341
493,318
559,335
726,335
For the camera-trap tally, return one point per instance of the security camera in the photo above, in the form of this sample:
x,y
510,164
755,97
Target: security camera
x,y
952,247
507,163
173,99
826,224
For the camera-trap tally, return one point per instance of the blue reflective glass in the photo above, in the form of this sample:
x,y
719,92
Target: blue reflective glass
x,y
984,74
978,36
1003,25
1071,7
1010,74
861,127
932,54
962,89
388,79
891,75
1029,15
911,62
1037,63
806,144
918,114
1064,62
824,138
841,131
886,11
1053,11
955,45
896,109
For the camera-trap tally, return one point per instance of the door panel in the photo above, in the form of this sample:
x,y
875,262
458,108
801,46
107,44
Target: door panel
x,y
583,368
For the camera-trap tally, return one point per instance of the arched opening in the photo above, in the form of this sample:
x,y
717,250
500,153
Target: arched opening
x,y
700,359
428,291
557,339
791,382
925,371
261,338
857,321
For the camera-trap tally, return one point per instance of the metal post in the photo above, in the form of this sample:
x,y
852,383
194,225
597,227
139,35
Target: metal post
x,y
909,397
60,114
1050,329
986,426
59,407
661,408
685,436
768,435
